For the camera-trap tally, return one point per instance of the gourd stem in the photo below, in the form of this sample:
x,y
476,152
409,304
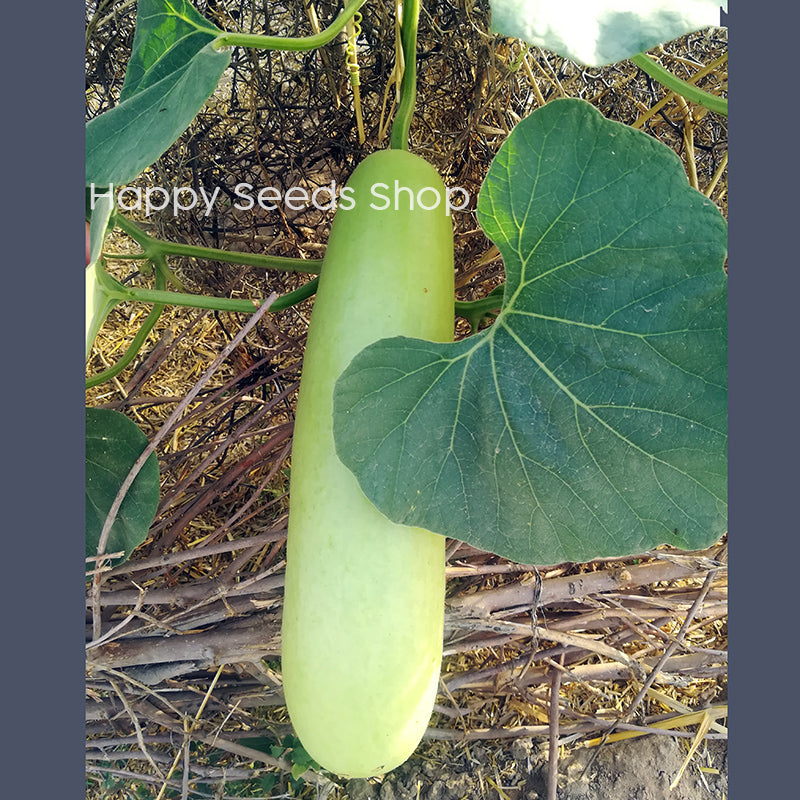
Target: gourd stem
x,y
289,43
689,91
474,311
408,85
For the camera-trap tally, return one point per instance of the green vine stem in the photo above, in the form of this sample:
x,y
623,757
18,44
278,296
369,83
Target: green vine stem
x,y
689,91
160,298
135,345
261,42
138,294
152,247
154,251
229,304
408,85
474,311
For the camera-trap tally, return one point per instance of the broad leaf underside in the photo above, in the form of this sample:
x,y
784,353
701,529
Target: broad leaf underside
x,y
601,32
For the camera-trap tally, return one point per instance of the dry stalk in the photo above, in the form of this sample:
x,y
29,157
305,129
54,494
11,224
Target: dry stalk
x,y
552,763
671,648
151,448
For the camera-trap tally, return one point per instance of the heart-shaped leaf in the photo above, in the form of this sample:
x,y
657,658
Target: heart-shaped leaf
x,y
113,443
600,32
172,71
590,419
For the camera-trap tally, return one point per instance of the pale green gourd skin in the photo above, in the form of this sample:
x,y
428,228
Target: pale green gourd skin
x,y
364,599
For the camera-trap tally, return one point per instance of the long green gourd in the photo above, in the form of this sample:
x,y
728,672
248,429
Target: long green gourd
x,y
364,599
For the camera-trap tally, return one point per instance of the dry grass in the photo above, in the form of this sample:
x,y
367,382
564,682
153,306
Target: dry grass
x,y
208,579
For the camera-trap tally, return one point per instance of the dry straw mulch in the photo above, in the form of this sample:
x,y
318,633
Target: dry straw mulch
x,y
187,665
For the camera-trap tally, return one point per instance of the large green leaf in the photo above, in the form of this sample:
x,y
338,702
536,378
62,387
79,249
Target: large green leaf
x,y
113,443
172,71
590,419
600,32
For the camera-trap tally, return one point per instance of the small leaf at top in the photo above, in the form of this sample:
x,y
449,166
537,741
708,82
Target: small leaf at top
x,y
601,32
172,71
590,419
168,34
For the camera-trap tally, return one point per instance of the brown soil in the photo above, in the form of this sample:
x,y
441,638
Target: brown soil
x,y
635,769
